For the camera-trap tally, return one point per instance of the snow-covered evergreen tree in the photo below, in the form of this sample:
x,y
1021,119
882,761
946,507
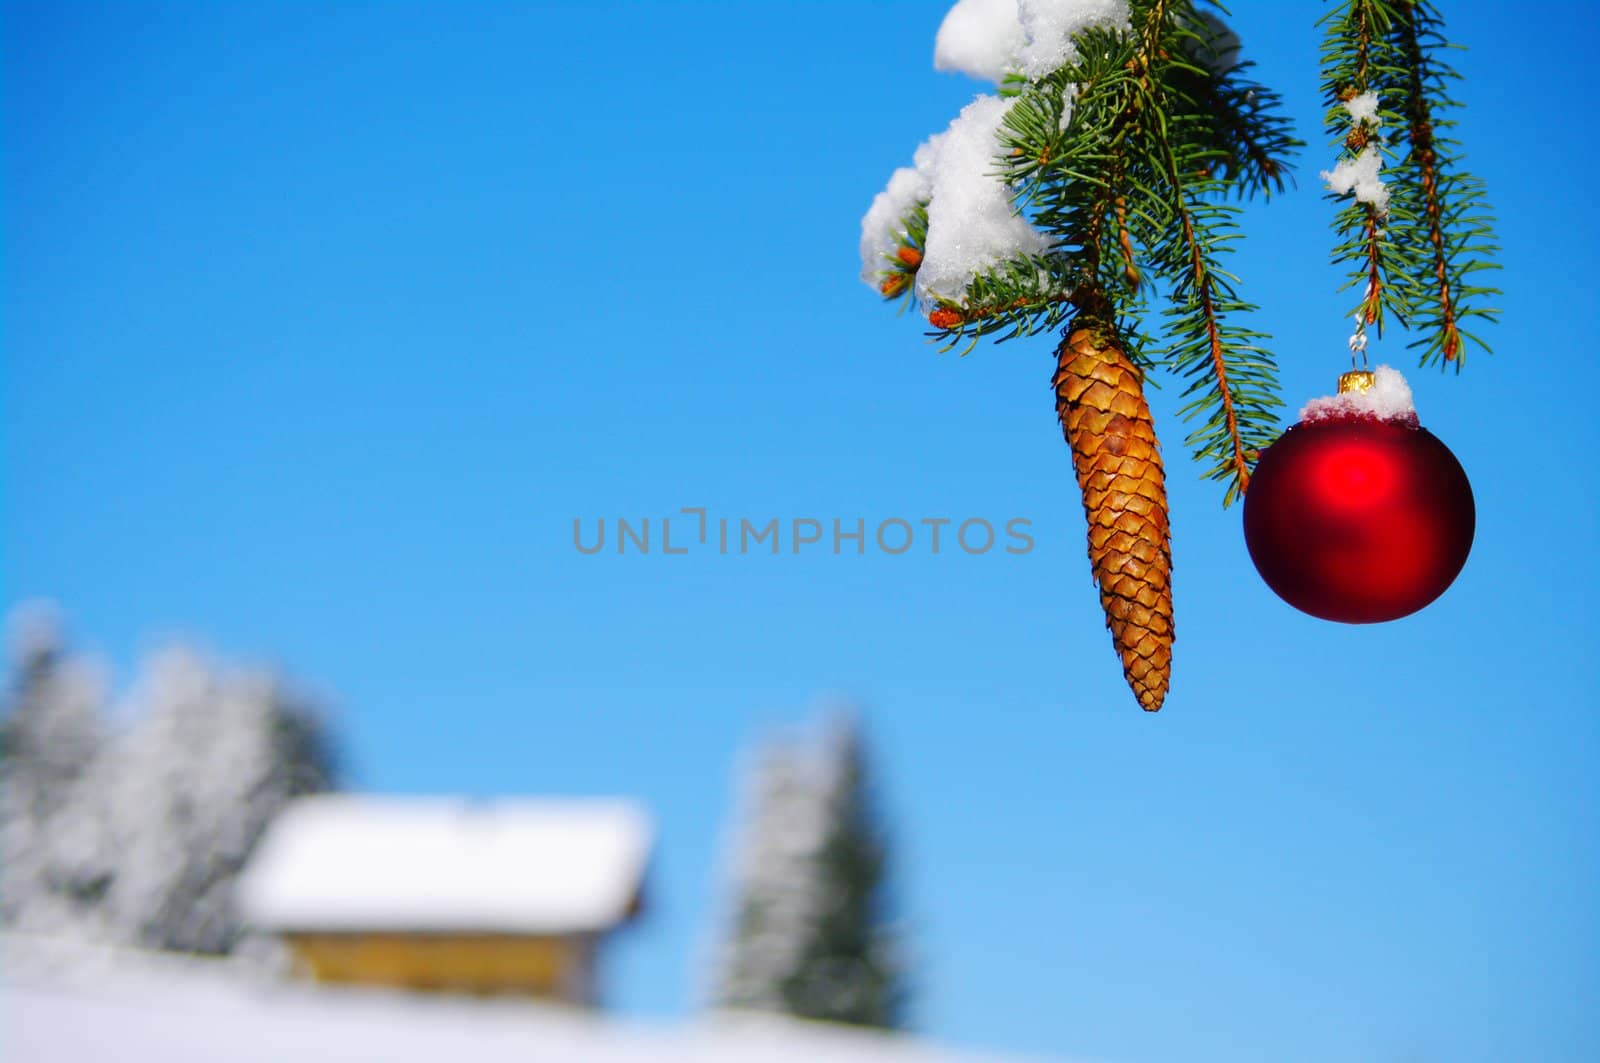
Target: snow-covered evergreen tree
x,y
809,933
189,792
137,839
848,971
774,880
52,876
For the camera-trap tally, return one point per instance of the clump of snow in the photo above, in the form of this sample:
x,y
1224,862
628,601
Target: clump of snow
x,y
883,227
989,39
973,224
1050,24
1360,175
1389,399
1363,108
980,38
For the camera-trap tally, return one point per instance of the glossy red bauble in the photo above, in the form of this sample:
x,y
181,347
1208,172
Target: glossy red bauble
x,y
1358,519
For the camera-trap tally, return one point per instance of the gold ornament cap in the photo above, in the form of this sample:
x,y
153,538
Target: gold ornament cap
x,y
1357,380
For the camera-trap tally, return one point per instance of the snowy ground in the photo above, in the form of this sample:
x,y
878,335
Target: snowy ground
x,y
105,1006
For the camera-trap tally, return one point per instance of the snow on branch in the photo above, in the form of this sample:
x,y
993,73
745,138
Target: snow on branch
x,y
973,223
1360,174
988,39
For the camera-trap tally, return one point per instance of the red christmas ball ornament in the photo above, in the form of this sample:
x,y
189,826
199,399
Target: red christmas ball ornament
x,y
1358,513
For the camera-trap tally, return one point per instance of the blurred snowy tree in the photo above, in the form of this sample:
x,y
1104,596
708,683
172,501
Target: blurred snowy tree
x,y
52,877
809,934
189,792
774,881
137,839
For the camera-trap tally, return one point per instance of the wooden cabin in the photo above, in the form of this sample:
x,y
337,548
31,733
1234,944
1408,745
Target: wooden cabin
x,y
505,896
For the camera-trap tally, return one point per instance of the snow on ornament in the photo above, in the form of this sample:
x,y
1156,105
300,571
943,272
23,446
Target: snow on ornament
x,y
1358,513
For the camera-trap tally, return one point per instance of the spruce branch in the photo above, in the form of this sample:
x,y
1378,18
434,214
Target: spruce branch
x,y
1452,219
899,272
1126,157
1233,379
1359,58
1132,187
1128,163
1241,119
1233,382
1020,297
1413,260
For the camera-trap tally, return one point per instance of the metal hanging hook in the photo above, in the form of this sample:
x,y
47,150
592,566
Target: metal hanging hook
x,y
1358,341
1360,377
1358,338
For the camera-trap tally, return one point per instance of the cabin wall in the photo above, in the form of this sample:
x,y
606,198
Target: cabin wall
x,y
553,967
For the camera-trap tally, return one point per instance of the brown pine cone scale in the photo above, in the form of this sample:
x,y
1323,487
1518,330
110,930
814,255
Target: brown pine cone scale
x,y
1100,400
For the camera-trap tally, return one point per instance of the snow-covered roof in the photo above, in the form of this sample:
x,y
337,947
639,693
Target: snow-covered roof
x,y
537,866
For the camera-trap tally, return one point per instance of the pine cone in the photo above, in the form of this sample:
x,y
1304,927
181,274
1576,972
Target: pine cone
x,y
1100,400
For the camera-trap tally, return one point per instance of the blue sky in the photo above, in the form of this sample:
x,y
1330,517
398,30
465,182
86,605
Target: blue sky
x,y
323,323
